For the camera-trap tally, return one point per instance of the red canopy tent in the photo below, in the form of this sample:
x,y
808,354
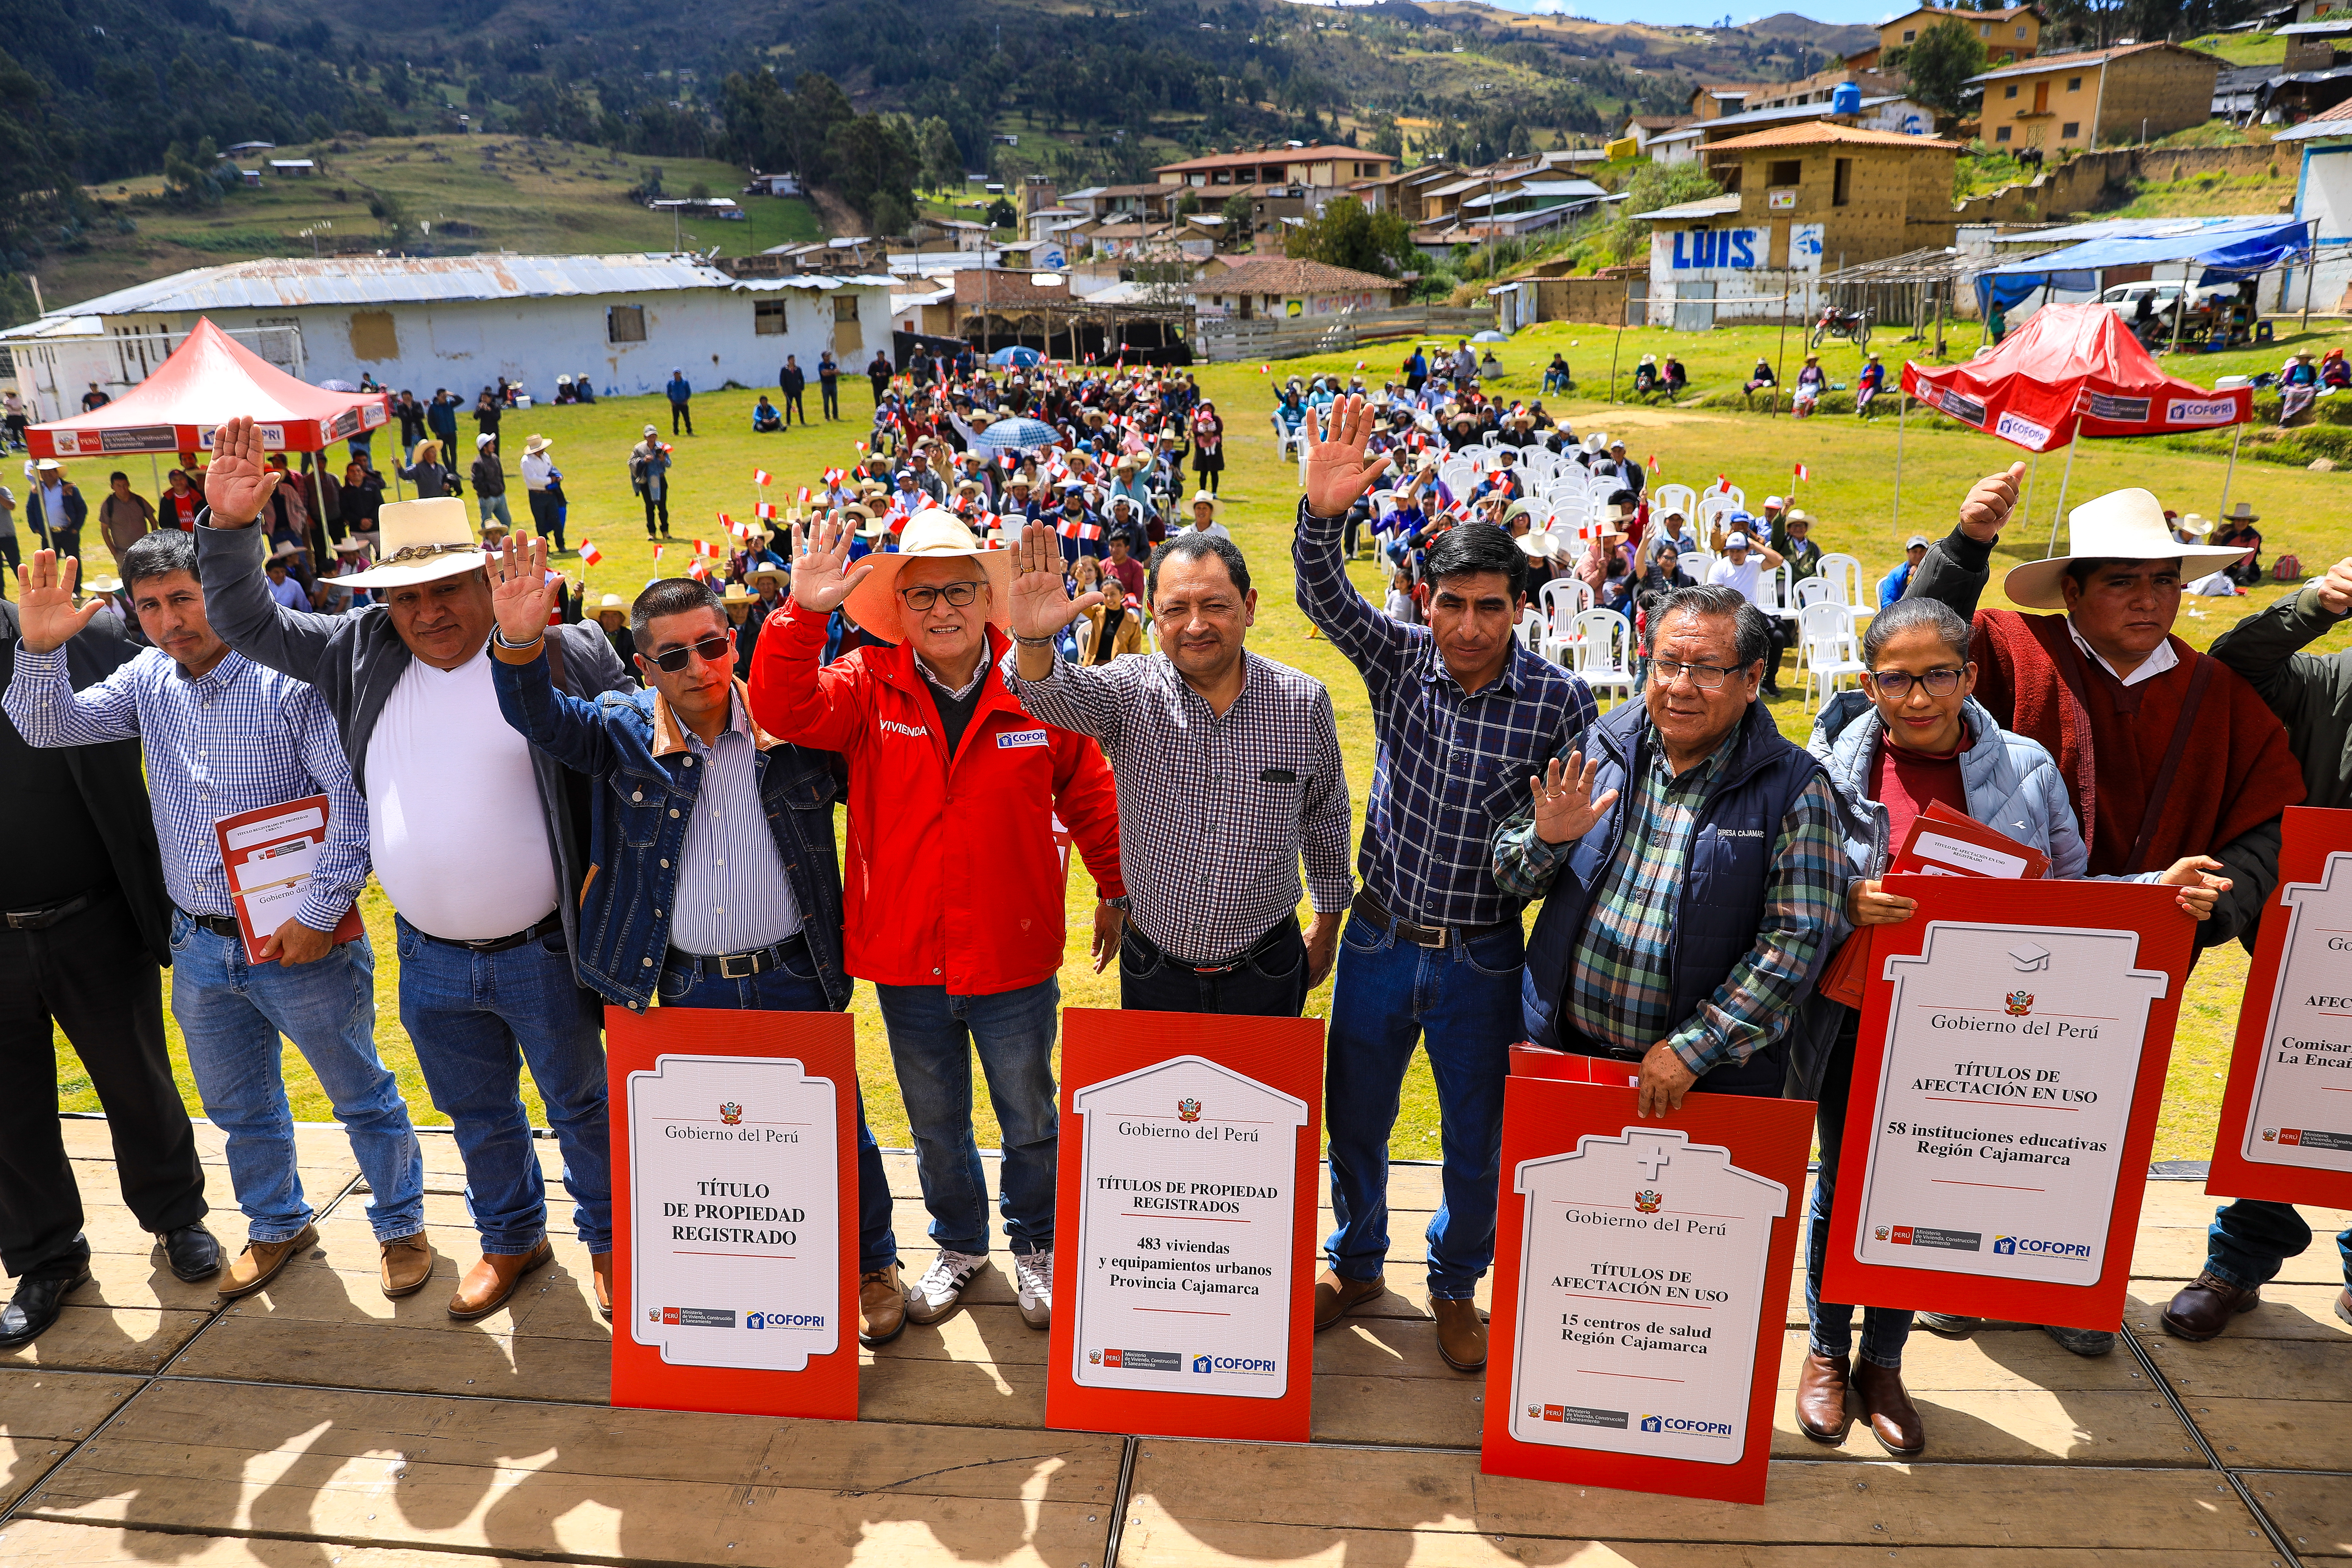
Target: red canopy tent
x,y
2070,371
209,378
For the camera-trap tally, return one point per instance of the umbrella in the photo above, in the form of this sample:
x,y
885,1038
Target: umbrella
x,y
1491,336
1026,358
1018,434
337,387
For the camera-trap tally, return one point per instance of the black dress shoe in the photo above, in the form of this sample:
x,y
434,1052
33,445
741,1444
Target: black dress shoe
x,y
192,1252
36,1307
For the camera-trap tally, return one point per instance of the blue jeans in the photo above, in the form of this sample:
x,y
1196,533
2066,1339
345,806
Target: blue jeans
x,y
475,1019
787,990
1462,1004
1884,1329
2250,1237
496,506
231,1013
932,1037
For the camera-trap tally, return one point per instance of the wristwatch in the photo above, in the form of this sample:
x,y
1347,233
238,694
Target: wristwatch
x,y
1122,903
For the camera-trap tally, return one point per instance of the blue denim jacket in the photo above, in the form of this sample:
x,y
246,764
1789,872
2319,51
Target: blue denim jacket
x,y
632,750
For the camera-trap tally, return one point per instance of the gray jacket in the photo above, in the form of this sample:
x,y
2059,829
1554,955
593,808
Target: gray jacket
x,y
2310,692
355,660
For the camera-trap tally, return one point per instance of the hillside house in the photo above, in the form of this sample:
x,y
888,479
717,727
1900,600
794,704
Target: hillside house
x,y
1276,287
2093,96
2008,36
1325,167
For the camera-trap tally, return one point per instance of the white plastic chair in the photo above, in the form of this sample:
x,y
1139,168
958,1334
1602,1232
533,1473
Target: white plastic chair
x,y
1818,591
1774,589
1673,498
1825,633
1846,573
1288,442
1563,600
1529,631
1713,509
1695,564
1601,651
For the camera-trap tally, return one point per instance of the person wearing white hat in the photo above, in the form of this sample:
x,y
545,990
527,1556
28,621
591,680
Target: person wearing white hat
x,y
649,463
956,886
54,507
1205,506
487,962
2191,763
489,476
540,486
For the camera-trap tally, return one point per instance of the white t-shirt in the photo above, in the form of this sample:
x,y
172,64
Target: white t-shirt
x,y
455,824
1748,577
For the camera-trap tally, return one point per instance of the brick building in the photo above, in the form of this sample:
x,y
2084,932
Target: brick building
x,y
2008,36
2093,96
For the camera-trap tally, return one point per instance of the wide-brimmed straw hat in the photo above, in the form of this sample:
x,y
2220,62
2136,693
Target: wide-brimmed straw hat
x,y
533,446
2122,525
931,534
420,542
610,604
1215,506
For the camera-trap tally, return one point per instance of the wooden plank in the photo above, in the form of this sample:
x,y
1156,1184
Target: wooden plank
x,y
2255,1369
59,1404
51,1544
341,1283
2313,1512
143,1280
543,1480
1205,1489
1423,1411
395,1356
315,1144
2178,1252
2275,1434
2287,1312
2185,1202
108,1339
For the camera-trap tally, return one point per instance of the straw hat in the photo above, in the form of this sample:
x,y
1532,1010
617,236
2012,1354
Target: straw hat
x,y
421,541
931,534
352,545
2193,524
610,604
102,585
769,569
533,446
735,595
2122,525
1215,506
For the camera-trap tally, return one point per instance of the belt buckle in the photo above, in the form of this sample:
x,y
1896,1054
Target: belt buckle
x,y
727,962
1442,934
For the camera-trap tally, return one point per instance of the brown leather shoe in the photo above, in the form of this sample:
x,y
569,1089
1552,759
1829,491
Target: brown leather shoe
x,y
600,1266
1336,1296
259,1264
2205,1306
407,1265
1461,1333
488,1284
881,1307
1887,1406
1822,1383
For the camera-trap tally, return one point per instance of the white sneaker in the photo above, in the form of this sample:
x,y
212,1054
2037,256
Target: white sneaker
x,y
1033,1272
935,1295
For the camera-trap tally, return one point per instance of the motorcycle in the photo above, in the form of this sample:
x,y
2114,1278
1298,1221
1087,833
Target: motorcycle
x,y
1854,326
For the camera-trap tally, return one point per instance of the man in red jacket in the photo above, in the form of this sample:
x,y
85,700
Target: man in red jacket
x,y
954,886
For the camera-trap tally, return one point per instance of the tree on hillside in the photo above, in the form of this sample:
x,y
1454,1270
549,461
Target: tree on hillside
x,y
1346,234
942,159
1236,212
1939,65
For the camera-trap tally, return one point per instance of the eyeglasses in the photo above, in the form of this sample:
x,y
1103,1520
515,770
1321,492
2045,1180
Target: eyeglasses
x,y
710,649
1706,677
956,594
1938,682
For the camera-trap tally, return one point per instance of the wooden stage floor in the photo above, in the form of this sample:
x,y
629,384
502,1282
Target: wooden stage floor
x,y
319,1425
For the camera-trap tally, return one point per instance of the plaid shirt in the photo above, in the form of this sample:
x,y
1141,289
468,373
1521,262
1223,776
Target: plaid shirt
x,y
1619,976
1449,766
1214,810
236,738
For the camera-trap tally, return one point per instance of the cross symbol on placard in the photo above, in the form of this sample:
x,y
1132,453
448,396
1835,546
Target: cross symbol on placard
x,y
1653,1158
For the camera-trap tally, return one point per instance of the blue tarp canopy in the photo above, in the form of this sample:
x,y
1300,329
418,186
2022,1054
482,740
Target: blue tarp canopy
x,y
2231,248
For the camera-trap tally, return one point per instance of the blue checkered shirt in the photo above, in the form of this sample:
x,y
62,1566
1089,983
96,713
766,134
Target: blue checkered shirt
x,y
1449,766
237,738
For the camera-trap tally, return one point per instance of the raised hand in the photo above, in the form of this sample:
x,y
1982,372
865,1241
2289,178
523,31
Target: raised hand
x,y
238,482
1337,470
521,596
1989,501
2199,891
821,575
1041,605
1565,809
2335,588
46,588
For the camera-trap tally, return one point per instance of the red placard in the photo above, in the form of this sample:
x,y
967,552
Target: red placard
x,y
267,853
765,1301
2009,1070
1180,1309
1641,1350
2298,999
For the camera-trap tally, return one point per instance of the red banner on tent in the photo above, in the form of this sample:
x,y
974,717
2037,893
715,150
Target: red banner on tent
x,y
2006,1080
2069,370
1641,1284
1184,1282
734,1211
208,379
2285,1130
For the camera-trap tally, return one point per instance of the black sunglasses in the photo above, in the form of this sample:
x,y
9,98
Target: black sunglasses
x,y
710,649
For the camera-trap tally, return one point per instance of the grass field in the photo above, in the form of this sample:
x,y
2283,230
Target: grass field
x,y
1851,492
512,194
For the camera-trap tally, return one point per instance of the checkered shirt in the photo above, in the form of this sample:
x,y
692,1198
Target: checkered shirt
x,y
1621,980
1214,810
1449,766
237,738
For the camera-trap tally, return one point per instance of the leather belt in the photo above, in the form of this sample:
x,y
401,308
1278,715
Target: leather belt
x,y
1272,936
42,920
1371,907
736,966
217,924
553,922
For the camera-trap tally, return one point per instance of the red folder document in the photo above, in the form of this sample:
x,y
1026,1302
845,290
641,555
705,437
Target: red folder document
x,y
1940,842
268,853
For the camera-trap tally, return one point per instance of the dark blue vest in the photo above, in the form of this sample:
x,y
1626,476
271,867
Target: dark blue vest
x,y
1725,882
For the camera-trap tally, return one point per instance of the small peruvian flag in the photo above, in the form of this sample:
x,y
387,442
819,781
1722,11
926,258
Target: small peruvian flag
x,y
657,553
1802,472
1265,369
588,554
1722,485
704,548
804,498
1072,528
698,572
858,445
1656,465
759,476
766,510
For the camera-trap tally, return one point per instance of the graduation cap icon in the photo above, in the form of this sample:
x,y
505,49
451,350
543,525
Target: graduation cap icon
x,y
2029,957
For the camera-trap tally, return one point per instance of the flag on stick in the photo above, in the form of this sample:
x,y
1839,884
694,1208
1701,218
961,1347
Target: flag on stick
x,y
588,554
1802,472
759,476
